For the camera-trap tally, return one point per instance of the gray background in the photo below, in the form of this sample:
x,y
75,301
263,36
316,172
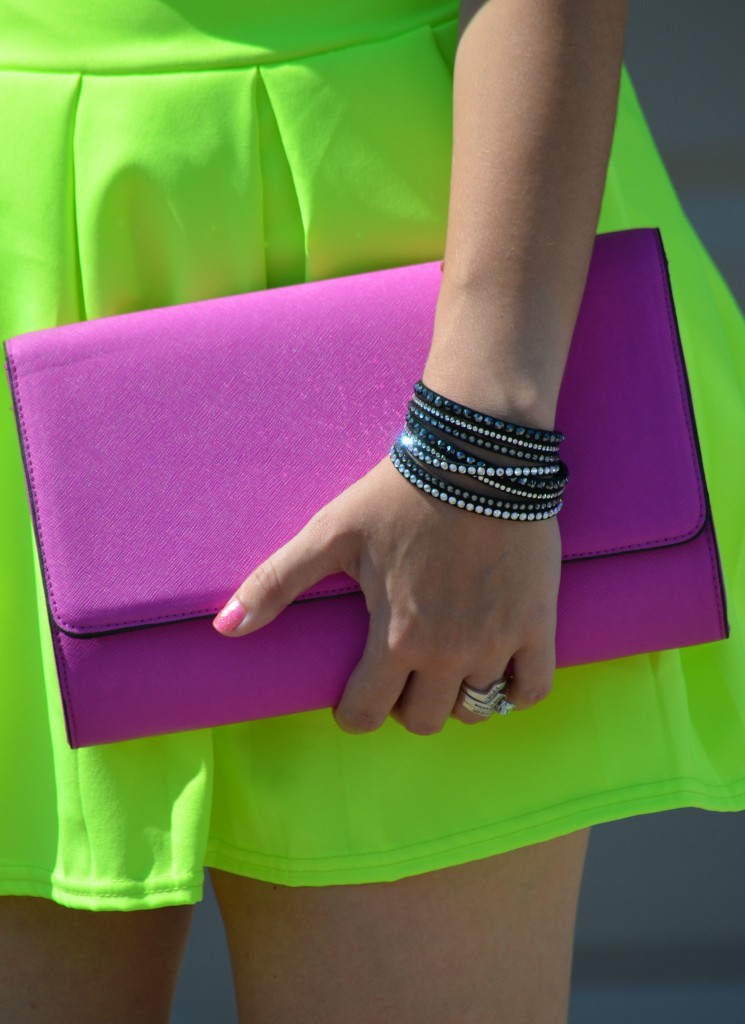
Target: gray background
x,y
661,929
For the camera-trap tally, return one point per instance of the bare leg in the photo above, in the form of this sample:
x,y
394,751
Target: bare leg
x,y
488,941
63,966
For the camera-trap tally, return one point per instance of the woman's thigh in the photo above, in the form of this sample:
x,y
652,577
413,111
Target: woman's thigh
x,y
488,941
64,966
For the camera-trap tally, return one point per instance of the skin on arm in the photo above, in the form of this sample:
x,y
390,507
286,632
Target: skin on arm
x,y
534,94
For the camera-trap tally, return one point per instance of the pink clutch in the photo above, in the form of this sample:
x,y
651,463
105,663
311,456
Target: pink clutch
x,y
170,451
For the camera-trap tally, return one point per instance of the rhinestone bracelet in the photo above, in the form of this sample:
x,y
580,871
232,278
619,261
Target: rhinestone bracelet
x,y
480,436
539,489
463,498
522,503
510,485
490,433
545,478
554,437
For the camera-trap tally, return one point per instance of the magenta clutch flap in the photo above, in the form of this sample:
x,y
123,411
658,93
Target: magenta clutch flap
x,y
170,451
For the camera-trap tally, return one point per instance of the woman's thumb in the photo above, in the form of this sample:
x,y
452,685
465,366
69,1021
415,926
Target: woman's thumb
x,y
304,560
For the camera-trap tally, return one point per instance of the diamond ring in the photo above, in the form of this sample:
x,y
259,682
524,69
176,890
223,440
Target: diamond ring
x,y
487,702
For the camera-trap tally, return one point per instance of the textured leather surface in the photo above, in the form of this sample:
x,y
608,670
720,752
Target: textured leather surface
x,y
170,451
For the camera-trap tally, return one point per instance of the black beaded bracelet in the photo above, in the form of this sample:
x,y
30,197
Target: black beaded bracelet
x,y
538,489
545,478
461,496
489,433
528,487
506,485
465,499
481,439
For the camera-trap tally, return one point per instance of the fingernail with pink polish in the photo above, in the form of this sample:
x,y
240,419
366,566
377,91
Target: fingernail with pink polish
x,y
231,617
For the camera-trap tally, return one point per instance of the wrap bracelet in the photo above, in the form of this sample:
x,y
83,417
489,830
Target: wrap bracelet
x,y
538,489
468,500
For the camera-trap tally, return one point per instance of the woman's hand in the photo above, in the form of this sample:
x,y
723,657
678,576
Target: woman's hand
x,y
451,597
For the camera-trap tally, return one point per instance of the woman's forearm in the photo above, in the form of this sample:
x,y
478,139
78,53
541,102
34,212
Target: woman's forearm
x,y
534,95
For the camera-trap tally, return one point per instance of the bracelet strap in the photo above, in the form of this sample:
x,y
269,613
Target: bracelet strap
x,y
546,478
468,500
481,437
506,485
554,437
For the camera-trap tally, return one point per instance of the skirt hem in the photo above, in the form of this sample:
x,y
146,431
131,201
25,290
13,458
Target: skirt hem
x,y
77,896
390,866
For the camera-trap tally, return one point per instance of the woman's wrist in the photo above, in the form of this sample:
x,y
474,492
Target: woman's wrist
x,y
487,355
493,382
524,401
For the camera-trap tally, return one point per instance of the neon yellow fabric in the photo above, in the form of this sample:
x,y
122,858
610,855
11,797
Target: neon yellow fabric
x,y
161,152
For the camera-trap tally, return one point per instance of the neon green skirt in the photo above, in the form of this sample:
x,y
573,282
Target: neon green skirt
x,y
157,153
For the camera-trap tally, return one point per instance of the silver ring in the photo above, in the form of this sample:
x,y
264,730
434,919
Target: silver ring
x,y
486,702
